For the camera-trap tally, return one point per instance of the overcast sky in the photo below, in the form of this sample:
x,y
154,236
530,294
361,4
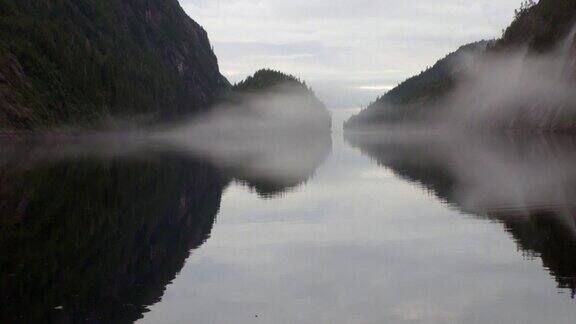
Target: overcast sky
x,y
349,51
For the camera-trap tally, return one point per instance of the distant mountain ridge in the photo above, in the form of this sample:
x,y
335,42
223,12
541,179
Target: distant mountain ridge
x,y
83,60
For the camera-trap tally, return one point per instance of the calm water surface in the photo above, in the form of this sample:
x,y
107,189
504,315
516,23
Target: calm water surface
x,y
367,232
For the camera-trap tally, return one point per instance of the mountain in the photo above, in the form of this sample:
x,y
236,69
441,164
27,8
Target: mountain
x,y
76,61
269,91
269,133
267,79
539,26
410,98
521,80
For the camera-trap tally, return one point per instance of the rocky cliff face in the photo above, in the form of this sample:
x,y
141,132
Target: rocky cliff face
x,y
69,61
187,49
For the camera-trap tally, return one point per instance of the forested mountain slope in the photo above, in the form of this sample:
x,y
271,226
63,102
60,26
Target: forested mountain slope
x,y
409,98
280,92
71,61
539,42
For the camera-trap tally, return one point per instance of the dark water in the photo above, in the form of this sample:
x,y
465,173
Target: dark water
x,y
368,230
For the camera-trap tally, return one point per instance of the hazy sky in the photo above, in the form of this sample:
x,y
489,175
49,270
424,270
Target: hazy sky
x,y
349,51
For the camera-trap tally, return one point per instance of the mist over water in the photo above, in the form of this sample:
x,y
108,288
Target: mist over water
x,y
423,226
280,135
270,141
118,214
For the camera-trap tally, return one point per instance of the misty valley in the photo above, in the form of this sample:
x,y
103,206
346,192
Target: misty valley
x,y
146,179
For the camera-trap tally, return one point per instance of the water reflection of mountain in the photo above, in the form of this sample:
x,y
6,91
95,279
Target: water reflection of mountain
x,y
100,240
269,158
96,237
528,185
272,170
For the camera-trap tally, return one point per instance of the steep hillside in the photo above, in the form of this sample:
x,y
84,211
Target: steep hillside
x,y
411,97
541,26
538,36
74,61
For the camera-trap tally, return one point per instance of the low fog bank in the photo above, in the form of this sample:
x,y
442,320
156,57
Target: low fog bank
x,y
260,138
272,142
